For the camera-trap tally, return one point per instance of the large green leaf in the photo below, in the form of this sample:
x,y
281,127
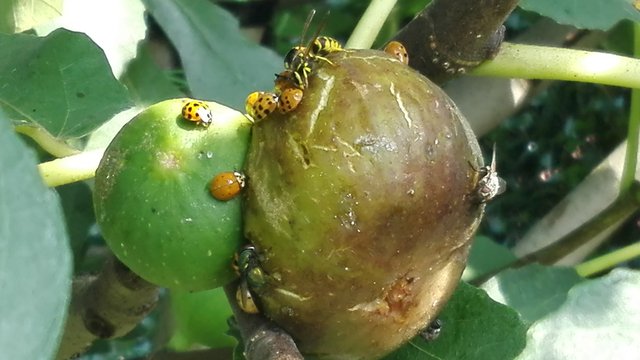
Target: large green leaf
x,y
220,64
61,82
534,291
474,327
599,320
586,14
115,25
21,15
35,261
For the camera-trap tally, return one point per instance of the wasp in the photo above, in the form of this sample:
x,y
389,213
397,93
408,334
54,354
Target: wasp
x,y
300,60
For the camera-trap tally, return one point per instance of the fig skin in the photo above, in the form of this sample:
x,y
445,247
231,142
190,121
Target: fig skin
x,y
152,197
362,206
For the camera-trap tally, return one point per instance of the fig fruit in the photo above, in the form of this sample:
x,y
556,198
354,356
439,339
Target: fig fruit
x,y
152,197
361,204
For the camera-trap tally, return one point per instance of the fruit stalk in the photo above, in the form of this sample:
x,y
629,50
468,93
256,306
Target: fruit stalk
x,y
451,37
263,339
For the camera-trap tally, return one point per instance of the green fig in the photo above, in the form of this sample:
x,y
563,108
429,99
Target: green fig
x,y
361,204
152,197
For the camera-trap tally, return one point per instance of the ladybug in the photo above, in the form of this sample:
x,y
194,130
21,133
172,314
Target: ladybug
x,y
260,104
197,111
288,91
285,80
227,185
398,51
289,100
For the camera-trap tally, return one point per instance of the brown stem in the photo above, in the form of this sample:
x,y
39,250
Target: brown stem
x,y
263,339
451,37
108,305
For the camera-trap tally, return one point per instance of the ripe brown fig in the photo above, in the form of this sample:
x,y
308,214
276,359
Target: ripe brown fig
x,y
361,204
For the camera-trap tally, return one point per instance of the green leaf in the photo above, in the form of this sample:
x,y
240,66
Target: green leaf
x,y
220,64
21,15
473,327
35,261
599,320
585,14
116,26
61,82
534,291
146,82
486,256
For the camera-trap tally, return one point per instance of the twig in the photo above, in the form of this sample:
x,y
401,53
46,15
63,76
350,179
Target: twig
x,y
370,24
451,37
262,338
108,305
552,63
631,157
624,204
608,260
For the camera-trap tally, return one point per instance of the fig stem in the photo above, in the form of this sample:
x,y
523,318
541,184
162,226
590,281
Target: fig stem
x,y
108,305
370,23
631,156
47,142
543,62
70,169
623,206
609,260
262,338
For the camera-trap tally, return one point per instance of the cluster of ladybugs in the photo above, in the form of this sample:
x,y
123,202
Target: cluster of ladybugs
x,y
291,83
299,64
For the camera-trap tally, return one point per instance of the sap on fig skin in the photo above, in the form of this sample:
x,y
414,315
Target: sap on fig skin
x,y
361,204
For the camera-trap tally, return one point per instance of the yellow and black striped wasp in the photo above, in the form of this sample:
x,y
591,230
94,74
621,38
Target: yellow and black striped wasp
x,y
300,60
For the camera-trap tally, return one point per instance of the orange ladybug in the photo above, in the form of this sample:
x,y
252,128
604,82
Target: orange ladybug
x,y
289,100
227,185
398,51
260,104
285,80
198,112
